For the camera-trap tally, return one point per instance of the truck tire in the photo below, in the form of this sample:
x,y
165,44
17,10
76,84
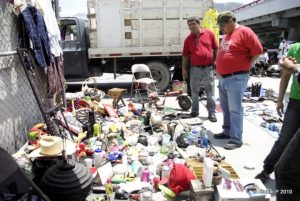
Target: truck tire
x,y
161,74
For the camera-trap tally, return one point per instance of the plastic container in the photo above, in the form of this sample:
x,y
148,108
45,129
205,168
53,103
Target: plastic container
x,y
195,134
97,158
108,187
145,175
204,139
207,173
166,139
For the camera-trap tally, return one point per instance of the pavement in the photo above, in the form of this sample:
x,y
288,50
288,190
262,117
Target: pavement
x,y
247,161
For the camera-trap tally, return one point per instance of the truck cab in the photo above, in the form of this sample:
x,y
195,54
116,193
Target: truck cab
x,y
75,44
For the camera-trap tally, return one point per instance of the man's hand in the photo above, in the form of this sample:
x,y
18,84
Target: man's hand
x,y
288,64
184,73
279,108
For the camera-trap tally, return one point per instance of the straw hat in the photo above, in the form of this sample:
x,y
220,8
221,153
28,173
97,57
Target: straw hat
x,y
52,146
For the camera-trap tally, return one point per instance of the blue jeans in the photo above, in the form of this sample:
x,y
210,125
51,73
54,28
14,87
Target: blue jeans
x,y
231,91
287,171
205,76
290,125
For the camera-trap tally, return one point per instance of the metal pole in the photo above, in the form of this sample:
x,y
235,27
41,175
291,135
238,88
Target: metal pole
x,y
8,53
55,5
115,68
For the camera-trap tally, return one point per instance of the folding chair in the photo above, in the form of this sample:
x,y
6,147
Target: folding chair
x,y
142,80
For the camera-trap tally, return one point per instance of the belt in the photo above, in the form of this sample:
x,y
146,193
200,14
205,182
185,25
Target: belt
x,y
204,66
235,73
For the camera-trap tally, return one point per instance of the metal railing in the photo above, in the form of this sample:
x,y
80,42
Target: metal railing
x,y
248,5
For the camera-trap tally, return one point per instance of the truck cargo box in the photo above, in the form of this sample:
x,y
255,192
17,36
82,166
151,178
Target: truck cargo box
x,y
122,28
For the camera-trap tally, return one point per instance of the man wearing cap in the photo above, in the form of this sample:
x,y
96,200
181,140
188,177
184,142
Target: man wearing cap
x,y
200,48
239,48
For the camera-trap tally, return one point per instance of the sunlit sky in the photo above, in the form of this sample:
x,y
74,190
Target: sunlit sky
x,y
73,7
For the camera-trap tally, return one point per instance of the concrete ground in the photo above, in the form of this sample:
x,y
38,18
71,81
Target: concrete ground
x,y
247,160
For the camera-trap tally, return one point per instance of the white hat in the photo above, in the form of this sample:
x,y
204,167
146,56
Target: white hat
x,y
52,146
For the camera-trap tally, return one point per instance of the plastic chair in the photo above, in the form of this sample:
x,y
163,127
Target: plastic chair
x,y
142,80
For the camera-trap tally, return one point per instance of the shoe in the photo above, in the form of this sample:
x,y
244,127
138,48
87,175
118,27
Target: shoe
x,y
212,117
221,136
263,176
194,114
232,145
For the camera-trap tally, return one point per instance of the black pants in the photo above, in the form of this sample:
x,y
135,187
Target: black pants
x,y
290,125
287,171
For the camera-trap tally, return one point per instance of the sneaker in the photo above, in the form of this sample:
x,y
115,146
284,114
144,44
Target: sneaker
x,y
263,176
212,117
221,136
232,145
194,114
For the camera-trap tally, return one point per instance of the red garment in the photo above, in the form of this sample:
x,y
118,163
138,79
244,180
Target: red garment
x,y
180,178
236,49
201,51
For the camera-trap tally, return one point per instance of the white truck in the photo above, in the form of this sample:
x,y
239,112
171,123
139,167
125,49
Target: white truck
x,y
120,33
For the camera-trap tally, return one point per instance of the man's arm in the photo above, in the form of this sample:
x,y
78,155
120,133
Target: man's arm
x,y
284,81
215,53
289,64
254,59
185,62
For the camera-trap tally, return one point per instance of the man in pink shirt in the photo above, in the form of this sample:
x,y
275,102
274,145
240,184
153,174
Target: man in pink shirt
x,y
239,48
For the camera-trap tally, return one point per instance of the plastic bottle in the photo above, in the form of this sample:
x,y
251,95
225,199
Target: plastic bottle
x,y
124,159
97,157
145,175
108,187
204,139
195,135
207,173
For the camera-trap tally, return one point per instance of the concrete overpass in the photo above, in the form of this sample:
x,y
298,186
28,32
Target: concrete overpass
x,y
266,16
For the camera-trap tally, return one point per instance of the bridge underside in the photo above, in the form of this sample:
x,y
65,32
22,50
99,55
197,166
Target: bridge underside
x,y
272,16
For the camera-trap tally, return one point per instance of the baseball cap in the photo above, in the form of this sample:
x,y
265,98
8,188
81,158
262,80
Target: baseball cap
x,y
224,17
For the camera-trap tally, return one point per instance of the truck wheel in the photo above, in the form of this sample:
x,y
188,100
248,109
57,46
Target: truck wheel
x,y
161,74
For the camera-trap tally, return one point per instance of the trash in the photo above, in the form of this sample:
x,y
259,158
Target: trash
x,y
249,167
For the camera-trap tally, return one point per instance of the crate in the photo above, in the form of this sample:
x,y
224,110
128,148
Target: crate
x,y
197,167
199,192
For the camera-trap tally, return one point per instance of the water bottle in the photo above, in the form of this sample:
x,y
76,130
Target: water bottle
x,y
97,157
195,135
204,139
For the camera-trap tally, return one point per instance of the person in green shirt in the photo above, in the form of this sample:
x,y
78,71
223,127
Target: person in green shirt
x,y
291,121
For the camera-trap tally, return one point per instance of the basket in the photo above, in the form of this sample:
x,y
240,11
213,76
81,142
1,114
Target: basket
x,y
94,93
198,167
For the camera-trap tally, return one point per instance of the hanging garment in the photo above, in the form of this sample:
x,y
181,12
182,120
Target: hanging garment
x,y
52,26
56,80
210,22
36,32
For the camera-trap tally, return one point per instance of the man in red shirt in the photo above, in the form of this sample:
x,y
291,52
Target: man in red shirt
x,y
239,48
200,49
